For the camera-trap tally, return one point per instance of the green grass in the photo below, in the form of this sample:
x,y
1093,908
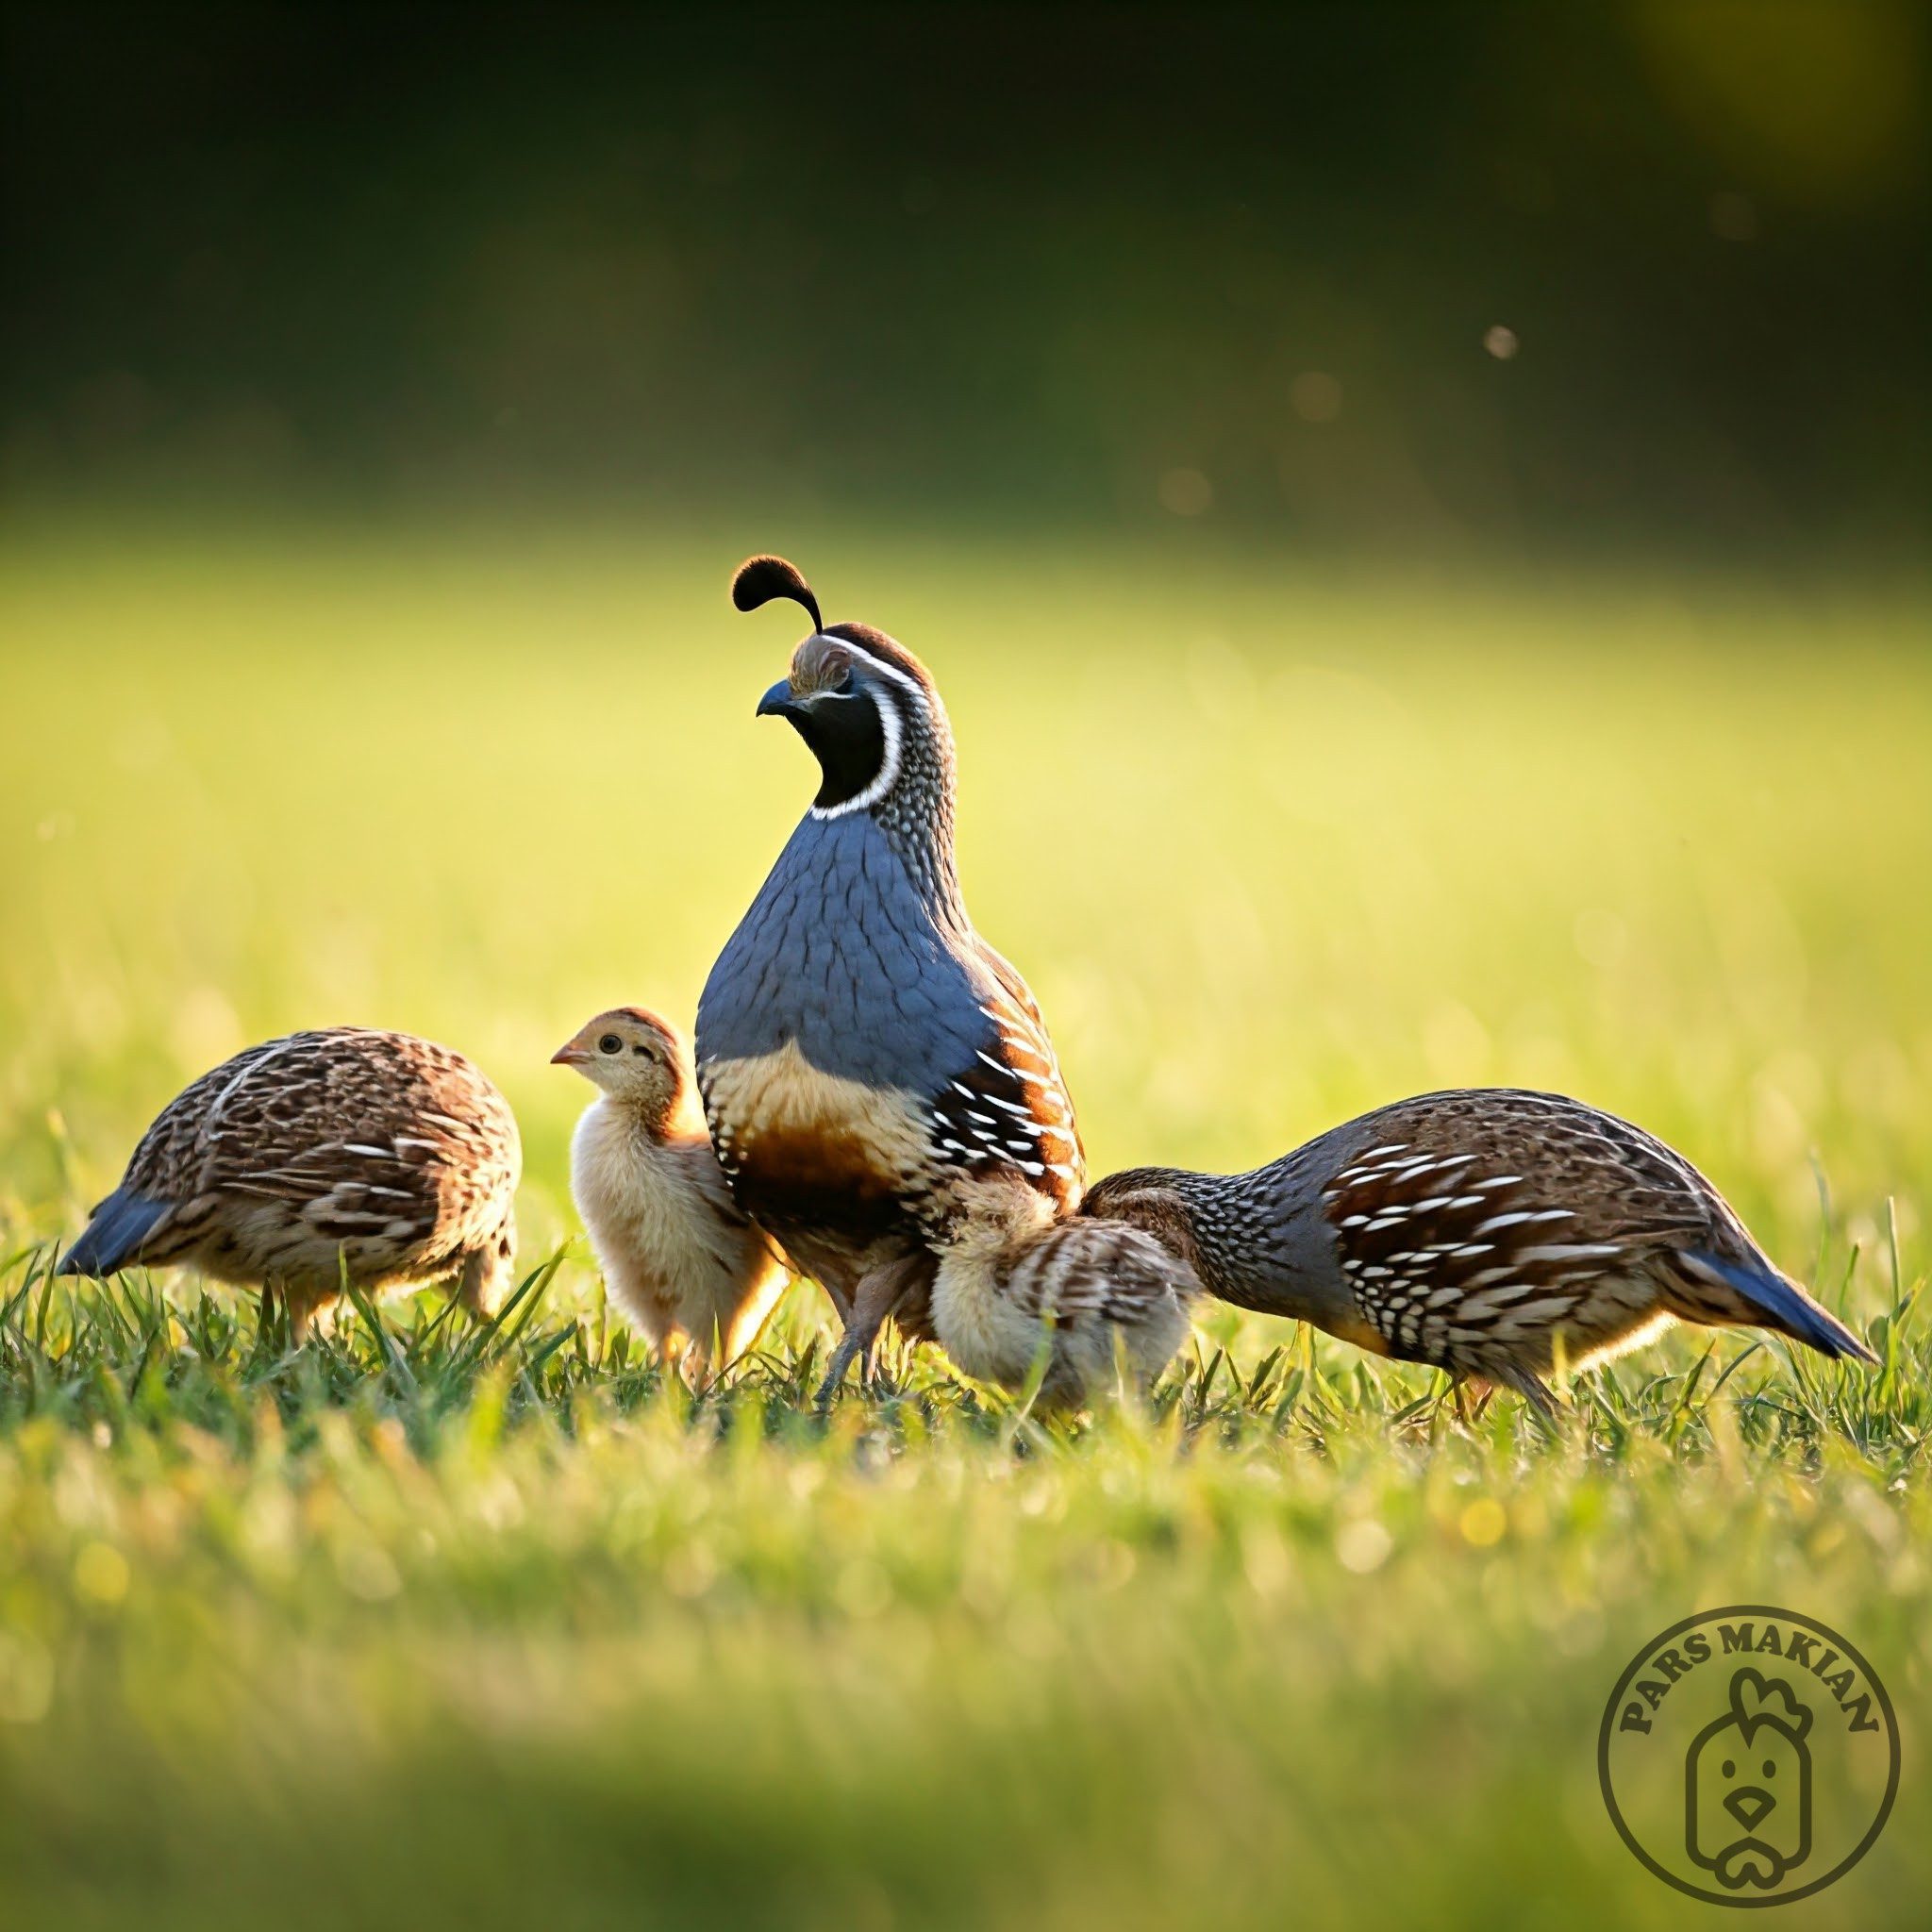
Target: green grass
x,y
431,1623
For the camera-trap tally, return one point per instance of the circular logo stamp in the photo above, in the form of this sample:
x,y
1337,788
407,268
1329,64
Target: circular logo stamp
x,y
1749,1755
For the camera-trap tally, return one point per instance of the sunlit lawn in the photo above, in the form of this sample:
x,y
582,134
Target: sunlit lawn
x,y
453,1627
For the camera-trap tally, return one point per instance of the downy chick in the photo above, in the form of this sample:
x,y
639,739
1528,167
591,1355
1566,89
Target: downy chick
x,y
1109,1302
679,1259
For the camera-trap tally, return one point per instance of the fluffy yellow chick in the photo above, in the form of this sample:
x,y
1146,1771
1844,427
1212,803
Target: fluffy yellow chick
x,y
695,1274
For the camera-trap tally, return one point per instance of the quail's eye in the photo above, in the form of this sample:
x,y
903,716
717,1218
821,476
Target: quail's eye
x,y
1730,1769
611,1043
1770,1768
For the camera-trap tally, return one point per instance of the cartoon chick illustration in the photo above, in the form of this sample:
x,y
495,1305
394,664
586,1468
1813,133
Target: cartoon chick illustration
x,y
1747,1786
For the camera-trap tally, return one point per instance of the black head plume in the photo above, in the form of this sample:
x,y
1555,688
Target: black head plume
x,y
761,578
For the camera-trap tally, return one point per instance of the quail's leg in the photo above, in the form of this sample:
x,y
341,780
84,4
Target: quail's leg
x,y
1533,1389
692,1355
878,1295
299,1312
870,1305
479,1284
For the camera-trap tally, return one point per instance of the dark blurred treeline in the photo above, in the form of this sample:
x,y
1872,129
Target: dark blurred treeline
x,y
1521,279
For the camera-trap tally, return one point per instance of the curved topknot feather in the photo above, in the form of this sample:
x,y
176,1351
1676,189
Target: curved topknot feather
x,y
759,579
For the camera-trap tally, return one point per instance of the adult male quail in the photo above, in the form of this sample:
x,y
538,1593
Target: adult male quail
x,y
678,1256
862,1051
1106,1301
343,1151
1488,1232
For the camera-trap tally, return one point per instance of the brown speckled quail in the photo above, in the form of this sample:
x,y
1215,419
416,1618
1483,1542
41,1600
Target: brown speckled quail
x,y
340,1151
1489,1232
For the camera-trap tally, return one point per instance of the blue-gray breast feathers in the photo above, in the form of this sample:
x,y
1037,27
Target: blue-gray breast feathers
x,y
838,955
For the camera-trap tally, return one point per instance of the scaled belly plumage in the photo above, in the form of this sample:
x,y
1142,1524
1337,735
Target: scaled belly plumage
x,y
809,1151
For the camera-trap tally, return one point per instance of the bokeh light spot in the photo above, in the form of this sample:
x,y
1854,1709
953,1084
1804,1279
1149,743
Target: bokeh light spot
x,y
1315,396
1483,1523
1186,493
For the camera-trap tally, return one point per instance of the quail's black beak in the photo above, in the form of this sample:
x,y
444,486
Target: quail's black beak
x,y
779,702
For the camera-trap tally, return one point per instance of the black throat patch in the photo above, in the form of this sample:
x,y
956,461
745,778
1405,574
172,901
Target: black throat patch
x,y
845,735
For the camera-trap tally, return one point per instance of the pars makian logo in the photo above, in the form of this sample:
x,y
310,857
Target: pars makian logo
x,y
1749,1755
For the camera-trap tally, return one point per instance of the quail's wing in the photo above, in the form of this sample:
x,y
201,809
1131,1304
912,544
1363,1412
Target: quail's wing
x,y
1501,1210
1008,1104
170,1163
362,1131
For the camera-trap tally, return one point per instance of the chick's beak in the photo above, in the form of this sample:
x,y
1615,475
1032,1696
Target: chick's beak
x,y
778,701
569,1054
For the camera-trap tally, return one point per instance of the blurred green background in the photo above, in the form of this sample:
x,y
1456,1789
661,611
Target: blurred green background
x,y
1115,269
1418,514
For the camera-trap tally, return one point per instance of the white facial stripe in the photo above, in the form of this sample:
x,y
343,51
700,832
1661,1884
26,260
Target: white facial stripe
x,y
890,724
887,669
889,729
927,699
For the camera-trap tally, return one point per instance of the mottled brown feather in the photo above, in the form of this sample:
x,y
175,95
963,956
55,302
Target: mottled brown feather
x,y
351,1146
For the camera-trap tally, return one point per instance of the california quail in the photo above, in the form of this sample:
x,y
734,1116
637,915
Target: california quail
x,y
678,1256
343,1151
861,1050
1493,1233
1107,1300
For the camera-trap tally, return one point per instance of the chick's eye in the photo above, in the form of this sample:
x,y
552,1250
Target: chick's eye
x,y
611,1043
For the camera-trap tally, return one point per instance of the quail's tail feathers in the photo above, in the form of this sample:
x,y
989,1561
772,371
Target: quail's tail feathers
x,y
1783,1305
110,1240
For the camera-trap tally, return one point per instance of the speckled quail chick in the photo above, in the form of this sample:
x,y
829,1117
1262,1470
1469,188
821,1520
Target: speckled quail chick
x,y
343,1151
679,1257
1109,1302
1493,1233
